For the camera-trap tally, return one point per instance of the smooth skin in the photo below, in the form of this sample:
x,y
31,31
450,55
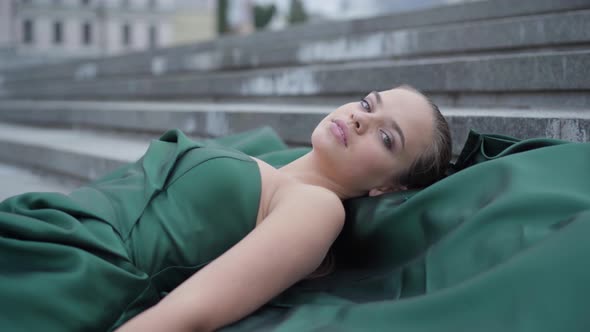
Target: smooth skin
x,y
301,212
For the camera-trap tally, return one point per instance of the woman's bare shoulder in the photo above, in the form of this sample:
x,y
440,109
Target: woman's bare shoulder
x,y
310,202
271,180
281,190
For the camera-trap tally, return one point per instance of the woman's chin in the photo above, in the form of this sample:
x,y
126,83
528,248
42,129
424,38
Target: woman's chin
x,y
325,145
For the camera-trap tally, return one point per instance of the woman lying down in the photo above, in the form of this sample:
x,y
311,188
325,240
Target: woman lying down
x,y
197,237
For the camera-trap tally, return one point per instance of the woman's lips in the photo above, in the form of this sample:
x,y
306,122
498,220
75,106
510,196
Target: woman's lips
x,y
339,129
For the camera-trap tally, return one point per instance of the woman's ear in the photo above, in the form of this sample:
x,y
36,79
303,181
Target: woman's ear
x,y
383,190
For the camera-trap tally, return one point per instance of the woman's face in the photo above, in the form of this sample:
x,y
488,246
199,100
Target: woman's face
x,y
367,143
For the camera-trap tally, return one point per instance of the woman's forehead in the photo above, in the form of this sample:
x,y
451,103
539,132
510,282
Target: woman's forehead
x,y
403,97
412,112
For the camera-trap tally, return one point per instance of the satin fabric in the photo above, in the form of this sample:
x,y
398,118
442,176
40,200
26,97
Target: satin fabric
x,y
91,260
498,245
501,244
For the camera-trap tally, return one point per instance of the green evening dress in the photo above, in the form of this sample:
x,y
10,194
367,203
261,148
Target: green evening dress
x,y
90,260
501,244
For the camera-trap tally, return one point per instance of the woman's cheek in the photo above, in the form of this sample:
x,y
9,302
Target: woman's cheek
x,y
370,161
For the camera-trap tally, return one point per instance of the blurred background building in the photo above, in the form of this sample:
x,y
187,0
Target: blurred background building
x,y
193,21
245,16
41,31
33,31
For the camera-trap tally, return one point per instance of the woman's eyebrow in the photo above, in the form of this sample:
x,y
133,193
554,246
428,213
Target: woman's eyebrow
x,y
377,96
399,131
393,122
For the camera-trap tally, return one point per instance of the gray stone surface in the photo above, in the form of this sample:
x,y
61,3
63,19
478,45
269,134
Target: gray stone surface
x,y
63,159
569,126
293,123
513,34
198,119
479,25
474,11
516,99
84,155
547,71
78,154
553,30
17,180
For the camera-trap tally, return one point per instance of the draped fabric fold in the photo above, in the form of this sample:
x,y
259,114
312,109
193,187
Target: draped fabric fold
x,y
92,259
500,244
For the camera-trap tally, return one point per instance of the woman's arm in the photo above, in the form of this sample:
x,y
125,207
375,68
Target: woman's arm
x,y
287,246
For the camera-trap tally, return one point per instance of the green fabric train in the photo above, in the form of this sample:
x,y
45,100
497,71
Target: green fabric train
x,y
499,245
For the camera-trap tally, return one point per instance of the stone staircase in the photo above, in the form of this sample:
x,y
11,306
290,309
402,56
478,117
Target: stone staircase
x,y
516,68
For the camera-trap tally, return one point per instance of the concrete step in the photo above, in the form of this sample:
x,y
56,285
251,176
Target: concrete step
x,y
545,73
17,180
556,30
78,154
294,123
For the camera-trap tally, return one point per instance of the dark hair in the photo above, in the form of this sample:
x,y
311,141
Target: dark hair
x,y
431,165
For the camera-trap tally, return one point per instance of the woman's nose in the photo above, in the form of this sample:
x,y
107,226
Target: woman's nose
x,y
359,121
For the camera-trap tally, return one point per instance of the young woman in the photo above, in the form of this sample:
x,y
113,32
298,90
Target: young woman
x,y
192,239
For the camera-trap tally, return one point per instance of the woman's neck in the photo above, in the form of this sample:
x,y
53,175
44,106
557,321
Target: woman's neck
x,y
309,170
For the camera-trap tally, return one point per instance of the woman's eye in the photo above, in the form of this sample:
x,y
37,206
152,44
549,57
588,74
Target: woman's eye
x,y
386,140
365,104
